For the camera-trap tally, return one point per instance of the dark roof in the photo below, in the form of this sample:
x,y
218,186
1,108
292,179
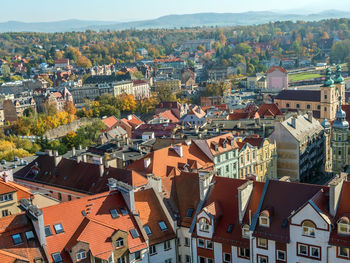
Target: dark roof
x,y
281,208
299,95
81,177
106,78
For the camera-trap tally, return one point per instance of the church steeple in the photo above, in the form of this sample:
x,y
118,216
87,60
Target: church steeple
x,y
340,118
338,77
328,82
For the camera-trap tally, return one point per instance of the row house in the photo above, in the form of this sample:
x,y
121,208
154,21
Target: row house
x,y
257,157
243,221
223,152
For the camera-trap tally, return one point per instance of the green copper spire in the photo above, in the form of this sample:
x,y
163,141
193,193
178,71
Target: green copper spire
x,y
328,80
338,77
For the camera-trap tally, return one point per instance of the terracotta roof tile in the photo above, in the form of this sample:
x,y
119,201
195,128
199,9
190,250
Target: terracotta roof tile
x,y
110,121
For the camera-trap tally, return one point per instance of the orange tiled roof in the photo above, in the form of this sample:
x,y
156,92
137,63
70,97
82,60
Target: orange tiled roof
x,y
219,141
9,187
26,251
98,219
162,159
151,213
168,114
110,121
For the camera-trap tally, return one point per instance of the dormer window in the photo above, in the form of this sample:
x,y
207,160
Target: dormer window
x,y
264,219
119,242
309,229
245,231
344,226
81,254
204,225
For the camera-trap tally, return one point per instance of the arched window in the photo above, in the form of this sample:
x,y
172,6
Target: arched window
x,y
309,229
204,225
344,226
245,231
81,254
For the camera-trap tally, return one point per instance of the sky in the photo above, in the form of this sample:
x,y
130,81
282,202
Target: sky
x,y
126,10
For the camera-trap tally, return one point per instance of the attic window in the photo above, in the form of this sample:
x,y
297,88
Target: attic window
x,y
245,231
114,213
344,226
264,221
124,211
189,212
134,233
57,257
58,228
162,225
119,242
203,225
147,230
17,239
229,228
309,229
48,231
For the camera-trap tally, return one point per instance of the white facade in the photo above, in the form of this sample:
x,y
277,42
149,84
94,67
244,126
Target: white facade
x,y
161,252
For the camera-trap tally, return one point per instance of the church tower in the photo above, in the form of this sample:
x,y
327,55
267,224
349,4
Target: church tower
x,y
340,140
328,100
339,84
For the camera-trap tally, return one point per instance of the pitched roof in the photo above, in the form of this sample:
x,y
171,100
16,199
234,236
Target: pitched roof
x,y
272,69
9,187
168,114
281,208
81,177
299,95
269,110
209,146
110,122
28,250
133,121
151,213
98,219
163,159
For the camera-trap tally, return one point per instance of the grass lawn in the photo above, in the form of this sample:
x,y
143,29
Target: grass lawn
x,y
303,76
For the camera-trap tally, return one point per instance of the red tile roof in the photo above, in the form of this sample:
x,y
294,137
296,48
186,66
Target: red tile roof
x,y
98,219
151,213
168,114
110,122
28,250
272,69
9,187
133,121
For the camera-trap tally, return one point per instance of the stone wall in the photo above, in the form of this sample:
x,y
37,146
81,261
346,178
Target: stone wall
x,y
64,129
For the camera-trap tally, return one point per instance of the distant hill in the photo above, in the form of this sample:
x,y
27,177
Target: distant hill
x,y
171,21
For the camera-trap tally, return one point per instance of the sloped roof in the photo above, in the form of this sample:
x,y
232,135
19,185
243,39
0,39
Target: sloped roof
x,y
299,95
28,250
81,177
151,213
272,69
207,146
9,187
98,219
269,110
110,121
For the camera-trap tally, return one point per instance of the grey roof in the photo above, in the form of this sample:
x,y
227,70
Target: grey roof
x,y
299,95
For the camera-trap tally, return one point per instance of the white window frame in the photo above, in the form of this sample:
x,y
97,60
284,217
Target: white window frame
x,y
204,225
119,242
343,256
345,225
260,245
200,240
245,252
152,250
261,223
229,256
319,252
81,254
261,257
309,231
307,250
208,246
284,255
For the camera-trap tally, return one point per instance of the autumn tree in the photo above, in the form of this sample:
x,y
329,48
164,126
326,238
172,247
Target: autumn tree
x,y
84,62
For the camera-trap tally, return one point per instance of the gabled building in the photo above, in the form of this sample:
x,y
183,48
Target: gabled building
x,y
223,152
277,79
196,116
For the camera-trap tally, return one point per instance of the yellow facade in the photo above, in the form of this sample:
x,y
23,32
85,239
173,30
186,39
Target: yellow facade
x,y
173,85
8,204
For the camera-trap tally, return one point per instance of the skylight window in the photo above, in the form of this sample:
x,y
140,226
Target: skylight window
x,y
29,235
134,233
48,231
57,257
124,211
189,212
162,225
147,230
58,228
114,213
17,239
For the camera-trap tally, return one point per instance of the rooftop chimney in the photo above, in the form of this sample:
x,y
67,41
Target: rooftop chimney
x,y
204,183
73,151
178,149
293,122
57,158
155,182
309,116
147,162
335,187
79,158
126,190
84,158
101,166
37,217
244,192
